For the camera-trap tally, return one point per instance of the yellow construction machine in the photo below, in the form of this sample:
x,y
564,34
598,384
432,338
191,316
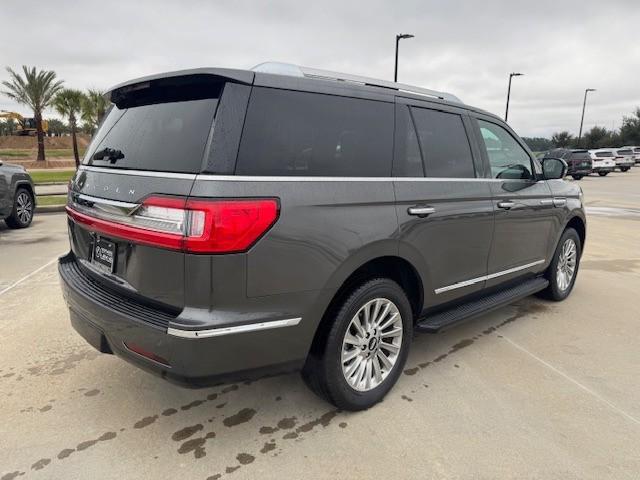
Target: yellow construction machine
x,y
26,126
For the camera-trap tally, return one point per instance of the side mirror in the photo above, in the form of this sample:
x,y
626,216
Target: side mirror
x,y
554,168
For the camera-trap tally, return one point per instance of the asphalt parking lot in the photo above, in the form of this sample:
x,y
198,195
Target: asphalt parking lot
x,y
534,390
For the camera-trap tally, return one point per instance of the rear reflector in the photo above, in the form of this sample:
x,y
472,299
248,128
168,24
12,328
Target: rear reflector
x,y
195,225
146,353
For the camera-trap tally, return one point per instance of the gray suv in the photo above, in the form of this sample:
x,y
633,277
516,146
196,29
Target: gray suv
x,y
17,199
229,224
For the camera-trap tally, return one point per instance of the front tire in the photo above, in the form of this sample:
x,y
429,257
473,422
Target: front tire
x,y
577,177
23,207
365,348
603,174
563,270
624,169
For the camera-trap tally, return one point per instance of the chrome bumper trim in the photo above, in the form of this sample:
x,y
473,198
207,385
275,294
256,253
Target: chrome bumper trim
x,y
217,332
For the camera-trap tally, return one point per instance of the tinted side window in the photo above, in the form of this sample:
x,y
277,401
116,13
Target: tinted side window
x,y
299,133
444,142
507,158
407,158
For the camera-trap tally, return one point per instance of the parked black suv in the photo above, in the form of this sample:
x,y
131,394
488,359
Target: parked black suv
x,y
231,223
17,199
578,160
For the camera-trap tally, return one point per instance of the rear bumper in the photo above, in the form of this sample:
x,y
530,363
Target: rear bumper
x,y
580,171
604,169
113,323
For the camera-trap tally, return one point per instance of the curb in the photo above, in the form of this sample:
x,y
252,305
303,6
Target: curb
x,y
50,208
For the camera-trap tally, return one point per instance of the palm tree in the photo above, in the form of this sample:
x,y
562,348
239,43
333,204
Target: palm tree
x,y
36,89
94,107
68,103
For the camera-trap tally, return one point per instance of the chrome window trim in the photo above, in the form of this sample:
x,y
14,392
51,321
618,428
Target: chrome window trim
x,y
217,332
467,283
282,178
142,173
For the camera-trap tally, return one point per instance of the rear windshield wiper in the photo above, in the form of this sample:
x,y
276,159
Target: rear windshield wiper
x,y
111,154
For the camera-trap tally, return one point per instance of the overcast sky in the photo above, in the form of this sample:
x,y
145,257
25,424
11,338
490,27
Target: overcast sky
x,y
465,47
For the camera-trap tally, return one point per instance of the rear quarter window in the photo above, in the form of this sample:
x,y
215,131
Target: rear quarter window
x,y
290,133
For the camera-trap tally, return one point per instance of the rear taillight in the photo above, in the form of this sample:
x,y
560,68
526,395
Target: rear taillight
x,y
198,226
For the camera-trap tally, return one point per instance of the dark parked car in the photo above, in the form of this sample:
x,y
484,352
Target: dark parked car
x,y
228,224
17,199
578,161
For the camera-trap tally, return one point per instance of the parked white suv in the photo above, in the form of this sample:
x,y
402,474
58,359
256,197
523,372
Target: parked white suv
x,y
625,158
603,160
636,152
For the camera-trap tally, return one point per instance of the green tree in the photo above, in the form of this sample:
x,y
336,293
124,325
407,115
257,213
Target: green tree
x,y
597,137
68,103
562,139
58,127
630,129
94,107
7,127
538,144
35,89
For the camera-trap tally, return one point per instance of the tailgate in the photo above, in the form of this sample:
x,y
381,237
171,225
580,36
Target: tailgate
x,y
126,208
140,269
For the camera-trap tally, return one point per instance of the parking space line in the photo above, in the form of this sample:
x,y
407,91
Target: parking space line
x,y
572,380
15,284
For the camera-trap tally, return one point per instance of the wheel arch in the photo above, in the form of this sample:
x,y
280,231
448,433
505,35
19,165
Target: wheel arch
x,y
27,186
579,225
390,266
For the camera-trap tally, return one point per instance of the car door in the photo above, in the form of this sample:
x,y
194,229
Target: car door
x,y
444,207
524,205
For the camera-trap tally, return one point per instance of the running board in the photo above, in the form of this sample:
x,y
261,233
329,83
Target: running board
x,y
449,318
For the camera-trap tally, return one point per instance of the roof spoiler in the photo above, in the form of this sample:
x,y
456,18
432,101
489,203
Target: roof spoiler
x,y
117,92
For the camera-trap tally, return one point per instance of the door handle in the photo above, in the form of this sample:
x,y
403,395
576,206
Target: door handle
x,y
506,205
421,211
559,202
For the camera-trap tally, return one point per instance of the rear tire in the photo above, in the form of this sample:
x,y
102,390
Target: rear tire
x,y
603,174
23,207
365,348
577,177
563,270
624,169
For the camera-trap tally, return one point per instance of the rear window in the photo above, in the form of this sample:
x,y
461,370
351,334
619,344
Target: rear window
x,y
604,154
580,156
163,130
297,133
625,152
445,146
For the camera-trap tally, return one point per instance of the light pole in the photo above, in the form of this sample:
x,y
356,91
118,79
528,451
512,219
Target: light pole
x,y
511,75
584,104
398,38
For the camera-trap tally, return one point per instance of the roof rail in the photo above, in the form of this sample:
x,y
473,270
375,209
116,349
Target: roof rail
x,y
298,71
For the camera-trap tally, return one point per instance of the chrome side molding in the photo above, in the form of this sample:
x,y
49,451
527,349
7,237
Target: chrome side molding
x,y
473,281
218,332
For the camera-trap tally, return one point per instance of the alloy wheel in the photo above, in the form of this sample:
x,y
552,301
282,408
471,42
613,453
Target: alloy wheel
x,y
371,345
566,264
24,207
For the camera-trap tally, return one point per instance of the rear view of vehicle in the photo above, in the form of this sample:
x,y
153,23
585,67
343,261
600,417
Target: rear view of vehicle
x,y
603,161
624,159
143,252
578,161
